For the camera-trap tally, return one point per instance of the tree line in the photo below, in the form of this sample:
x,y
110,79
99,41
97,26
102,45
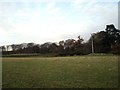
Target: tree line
x,y
106,41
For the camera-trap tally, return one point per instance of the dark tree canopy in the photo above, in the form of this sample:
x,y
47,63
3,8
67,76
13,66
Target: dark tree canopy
x,y
106,41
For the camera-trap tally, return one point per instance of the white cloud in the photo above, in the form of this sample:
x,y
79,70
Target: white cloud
x,y
49,23
56,0
98,13
2,32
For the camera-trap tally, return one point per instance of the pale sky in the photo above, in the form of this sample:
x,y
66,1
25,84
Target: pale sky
x,y
40,21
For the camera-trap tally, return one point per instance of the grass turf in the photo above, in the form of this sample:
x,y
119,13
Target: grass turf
x,y
61,72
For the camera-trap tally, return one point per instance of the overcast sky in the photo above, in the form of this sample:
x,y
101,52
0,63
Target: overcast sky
x,y
42,21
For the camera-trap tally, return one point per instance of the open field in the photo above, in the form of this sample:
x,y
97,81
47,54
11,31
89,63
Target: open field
x,y
61,72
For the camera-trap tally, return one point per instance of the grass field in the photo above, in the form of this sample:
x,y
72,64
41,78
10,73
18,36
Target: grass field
x,y
61,72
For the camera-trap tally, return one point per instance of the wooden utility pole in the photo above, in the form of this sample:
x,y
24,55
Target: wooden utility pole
x,y
92,42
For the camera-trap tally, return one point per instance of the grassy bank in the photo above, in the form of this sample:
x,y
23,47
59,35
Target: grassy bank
x,y
30,55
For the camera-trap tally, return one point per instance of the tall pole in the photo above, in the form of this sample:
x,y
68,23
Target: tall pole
x,y
92,42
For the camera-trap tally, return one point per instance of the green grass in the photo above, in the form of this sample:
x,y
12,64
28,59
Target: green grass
x,y
61,72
